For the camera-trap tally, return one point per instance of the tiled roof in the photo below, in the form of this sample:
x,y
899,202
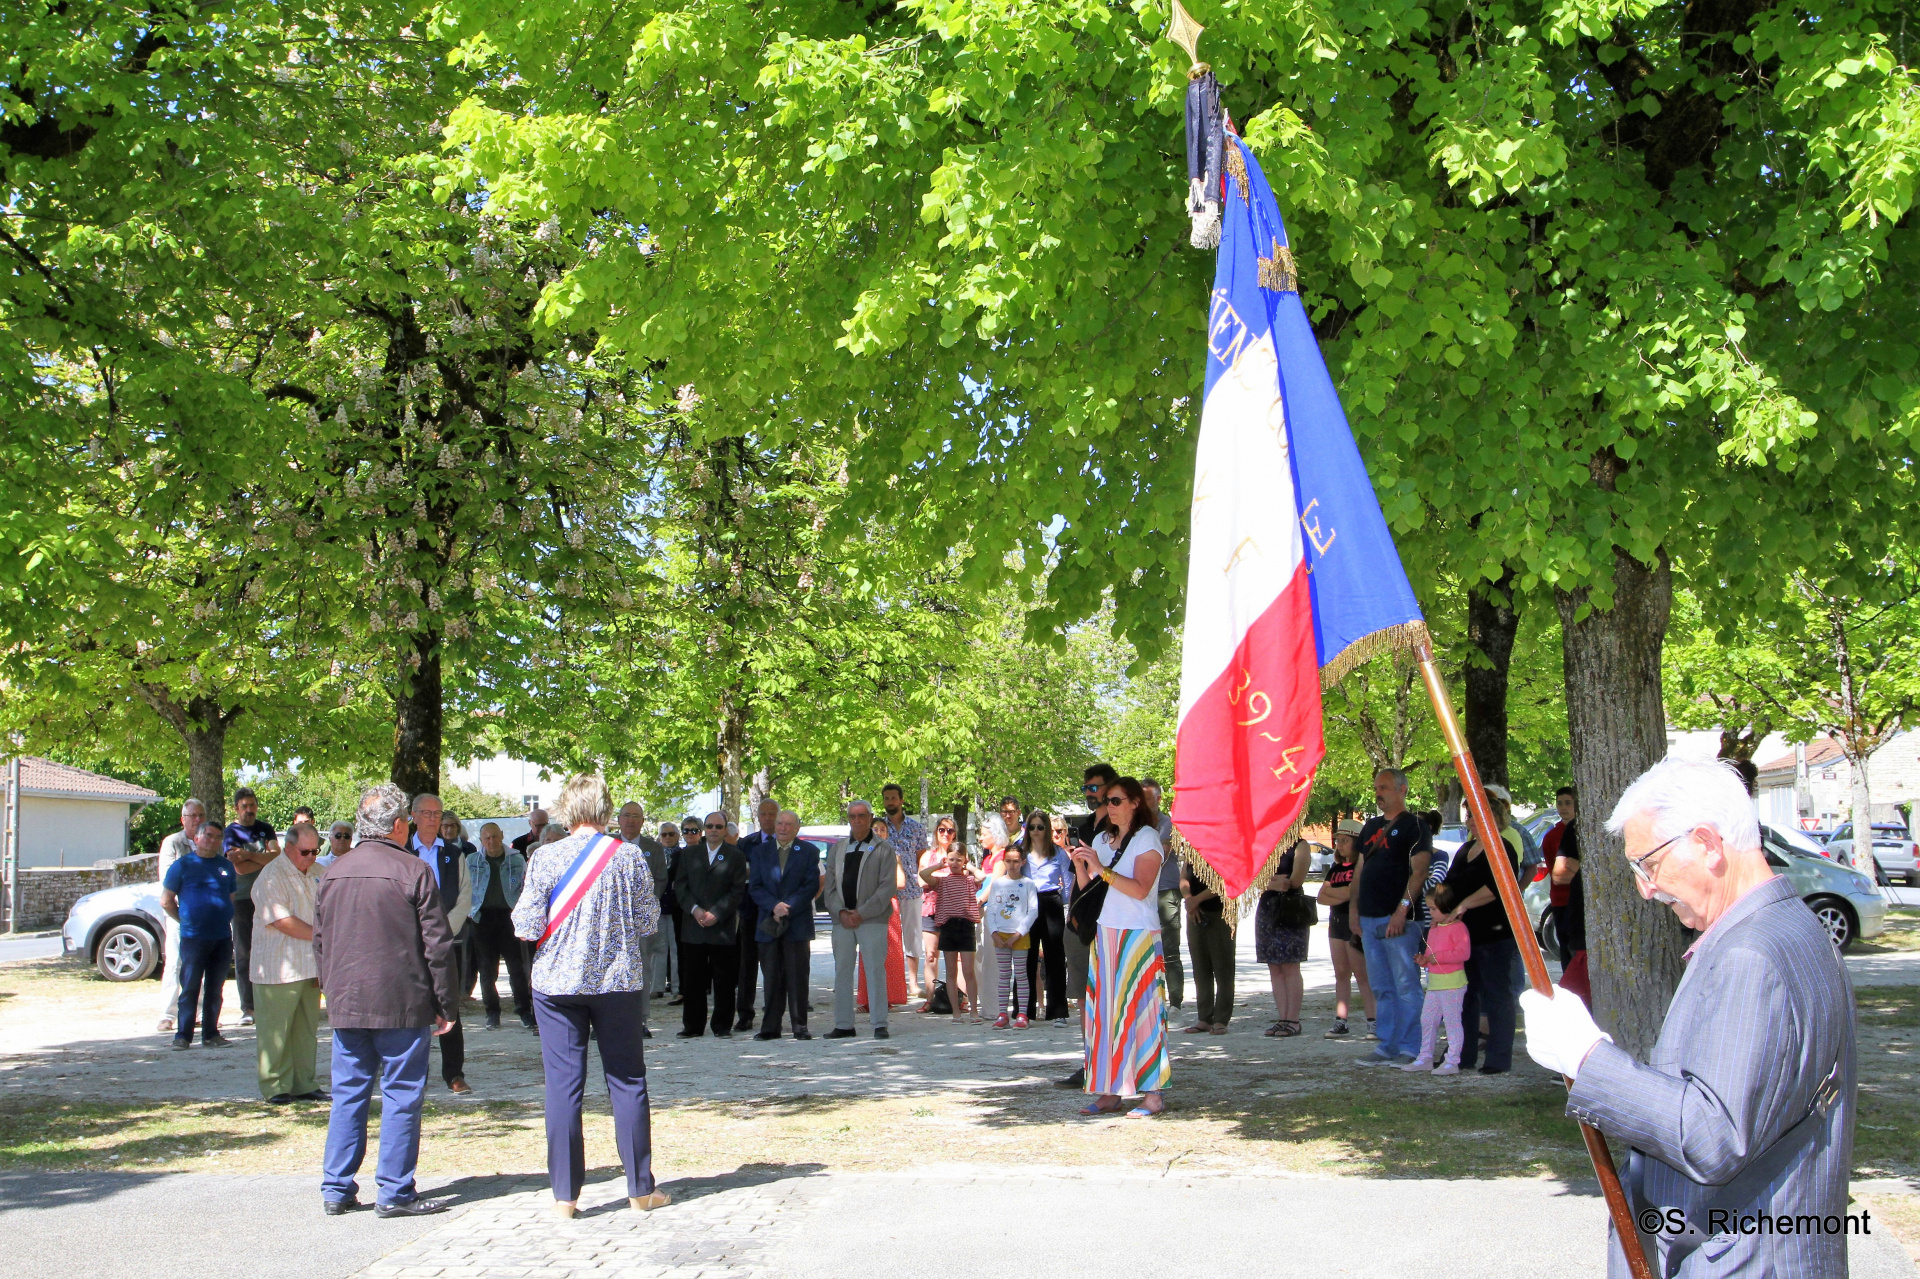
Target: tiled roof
x,y
44,777
1820,751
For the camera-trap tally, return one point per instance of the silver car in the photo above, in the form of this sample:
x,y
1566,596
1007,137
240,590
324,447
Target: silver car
x,y
1895,852
118,930
1845,900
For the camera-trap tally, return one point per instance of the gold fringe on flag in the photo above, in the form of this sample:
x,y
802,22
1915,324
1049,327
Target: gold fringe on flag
x,y
1237,167
1244,904
1407,635
1278,272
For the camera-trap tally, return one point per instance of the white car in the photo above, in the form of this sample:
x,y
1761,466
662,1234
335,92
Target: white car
x,y
1896,855
118,930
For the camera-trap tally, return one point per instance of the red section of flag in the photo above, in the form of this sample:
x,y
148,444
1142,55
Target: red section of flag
x,y
1248,747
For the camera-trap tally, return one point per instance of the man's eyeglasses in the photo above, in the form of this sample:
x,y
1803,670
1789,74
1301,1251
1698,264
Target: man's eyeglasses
x,y
1089,786
716,826
1639,864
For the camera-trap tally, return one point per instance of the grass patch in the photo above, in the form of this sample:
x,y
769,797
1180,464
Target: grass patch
x,y
1900,935
1887,1007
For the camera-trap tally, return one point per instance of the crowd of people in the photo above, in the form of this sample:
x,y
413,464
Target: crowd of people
x,y
1057,917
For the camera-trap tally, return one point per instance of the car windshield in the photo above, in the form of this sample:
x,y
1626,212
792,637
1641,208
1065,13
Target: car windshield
x,y
1795,841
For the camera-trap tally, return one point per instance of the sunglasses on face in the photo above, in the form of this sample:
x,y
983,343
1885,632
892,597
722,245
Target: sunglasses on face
x,y
1114,801
1037,826
1090,786
715,826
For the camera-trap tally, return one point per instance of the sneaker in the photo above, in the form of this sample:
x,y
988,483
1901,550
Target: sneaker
x,y
181,1045
1374,1059
1371,1036
493,1021
1002,1023
1417,1066
1339,1031
215,1041
246,1019
1019,1023
1403,1059
1446,1068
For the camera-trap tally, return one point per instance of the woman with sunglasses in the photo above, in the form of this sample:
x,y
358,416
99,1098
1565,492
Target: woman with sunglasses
x,y
1050,872
1495,955
1126,1010
945,835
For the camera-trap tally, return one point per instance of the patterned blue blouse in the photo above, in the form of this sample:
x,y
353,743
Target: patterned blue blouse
x,y
597,950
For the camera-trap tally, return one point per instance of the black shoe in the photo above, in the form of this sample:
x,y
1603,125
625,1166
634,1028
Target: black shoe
x,y
677,999
768,1034
412,1208
526,1019
280,1099
181,1045
723,1034
646,1032
1078,1079
1493,1070
840,1032
688,1034
334,1207
803,1033
493,1021
881,1032
318,1094
744,1024
216,1041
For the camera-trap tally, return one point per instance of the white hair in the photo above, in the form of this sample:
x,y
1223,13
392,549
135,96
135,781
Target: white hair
x,y
993,831
381,809
1680,794
413,809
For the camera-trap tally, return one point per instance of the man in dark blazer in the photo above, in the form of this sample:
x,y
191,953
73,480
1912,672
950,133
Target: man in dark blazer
x,y
861,879
783,878
750,917
708,880
385,958
1745,1105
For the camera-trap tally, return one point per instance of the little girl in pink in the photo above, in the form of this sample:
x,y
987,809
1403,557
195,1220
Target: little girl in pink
x,y
1445,959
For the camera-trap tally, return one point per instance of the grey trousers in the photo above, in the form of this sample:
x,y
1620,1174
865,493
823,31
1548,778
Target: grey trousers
x,y
868,942
653,965
1170,911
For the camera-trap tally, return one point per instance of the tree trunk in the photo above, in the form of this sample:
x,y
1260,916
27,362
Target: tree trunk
x,y
1617,722
206,736
732,753
761,788
417,720
1448,795
1861,794
1493,619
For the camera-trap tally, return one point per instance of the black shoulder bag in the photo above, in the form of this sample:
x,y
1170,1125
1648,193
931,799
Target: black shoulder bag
x,y
1083,916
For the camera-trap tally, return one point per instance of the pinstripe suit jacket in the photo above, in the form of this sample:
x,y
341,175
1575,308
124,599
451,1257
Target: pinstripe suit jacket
x,y
1764,1013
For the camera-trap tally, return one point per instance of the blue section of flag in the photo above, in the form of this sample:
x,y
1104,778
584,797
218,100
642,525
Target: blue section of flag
x,y
1359,586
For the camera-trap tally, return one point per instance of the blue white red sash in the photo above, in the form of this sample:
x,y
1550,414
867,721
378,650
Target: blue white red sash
x,y
573,886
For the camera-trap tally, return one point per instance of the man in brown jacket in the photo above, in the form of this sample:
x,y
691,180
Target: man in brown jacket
x,y
385,957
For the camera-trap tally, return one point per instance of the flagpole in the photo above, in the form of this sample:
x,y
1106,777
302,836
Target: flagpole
x,y
1508,884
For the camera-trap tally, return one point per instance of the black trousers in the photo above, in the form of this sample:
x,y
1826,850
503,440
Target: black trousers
x,y
493,941
1490,994
243,952
749,924
616,1022
710,971
786,964
1048,951
453,1044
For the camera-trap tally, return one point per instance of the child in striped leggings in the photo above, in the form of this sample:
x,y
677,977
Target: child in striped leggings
x,y
1011,906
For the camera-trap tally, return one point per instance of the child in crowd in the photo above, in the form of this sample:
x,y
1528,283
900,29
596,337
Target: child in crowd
x,y
956,911
1445,959
1011,907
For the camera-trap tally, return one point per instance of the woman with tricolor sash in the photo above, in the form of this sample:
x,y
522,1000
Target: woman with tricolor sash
x,y
1126,1041
589,902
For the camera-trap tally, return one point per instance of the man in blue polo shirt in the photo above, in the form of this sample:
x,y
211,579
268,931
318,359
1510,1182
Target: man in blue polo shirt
x,y
198,892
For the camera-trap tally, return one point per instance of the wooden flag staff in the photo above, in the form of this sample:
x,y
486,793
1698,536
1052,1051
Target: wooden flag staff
x,y
1508,884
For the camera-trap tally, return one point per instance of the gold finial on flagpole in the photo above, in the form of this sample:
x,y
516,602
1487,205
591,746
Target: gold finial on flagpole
x,y
1185,32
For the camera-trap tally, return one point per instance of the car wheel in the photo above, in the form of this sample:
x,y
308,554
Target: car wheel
x,y
1549,936
127,953
1836,919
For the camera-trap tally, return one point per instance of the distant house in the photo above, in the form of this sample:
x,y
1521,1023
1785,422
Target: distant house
x,y
70,817
1893,780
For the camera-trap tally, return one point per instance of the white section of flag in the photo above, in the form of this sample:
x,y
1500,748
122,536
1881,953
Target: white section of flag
x,y
1245,543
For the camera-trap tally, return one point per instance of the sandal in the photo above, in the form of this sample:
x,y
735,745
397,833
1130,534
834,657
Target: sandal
x,y
1286,1029
1273,1031
1095,1108
1141,1112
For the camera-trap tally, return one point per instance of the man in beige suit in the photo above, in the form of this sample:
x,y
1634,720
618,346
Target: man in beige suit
x,y
858,889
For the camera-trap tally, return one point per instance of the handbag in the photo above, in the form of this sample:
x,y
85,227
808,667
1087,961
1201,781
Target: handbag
x,y
939,1001
1296,910
1084,915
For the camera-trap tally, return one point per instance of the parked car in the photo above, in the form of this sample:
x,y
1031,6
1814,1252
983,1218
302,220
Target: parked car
x,y
1894,851
1846,901
1322,857
118,930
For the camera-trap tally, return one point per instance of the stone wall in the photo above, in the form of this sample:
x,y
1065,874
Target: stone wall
x,y
48,893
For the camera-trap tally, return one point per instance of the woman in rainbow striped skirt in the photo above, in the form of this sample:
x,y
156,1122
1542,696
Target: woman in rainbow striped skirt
x,y
1126,1002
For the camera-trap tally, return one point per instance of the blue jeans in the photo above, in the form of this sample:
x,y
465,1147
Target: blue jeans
x,y
204,962
399,1059
1395,978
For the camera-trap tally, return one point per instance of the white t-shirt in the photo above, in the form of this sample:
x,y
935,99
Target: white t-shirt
x,y
1120,910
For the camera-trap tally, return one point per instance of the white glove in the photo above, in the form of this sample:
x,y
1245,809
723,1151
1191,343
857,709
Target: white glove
x,y
1560,1030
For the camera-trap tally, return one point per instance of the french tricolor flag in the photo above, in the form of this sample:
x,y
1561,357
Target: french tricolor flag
x,y
1294,578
